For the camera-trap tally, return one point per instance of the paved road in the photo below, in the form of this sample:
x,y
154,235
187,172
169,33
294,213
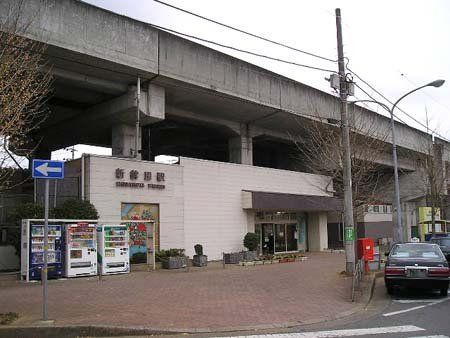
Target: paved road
x,y
410,314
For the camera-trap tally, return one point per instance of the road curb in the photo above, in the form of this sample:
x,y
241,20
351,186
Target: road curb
x,y
376,275
55,331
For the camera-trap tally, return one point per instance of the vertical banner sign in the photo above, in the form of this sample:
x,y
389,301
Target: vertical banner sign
x,y
349,234
44,169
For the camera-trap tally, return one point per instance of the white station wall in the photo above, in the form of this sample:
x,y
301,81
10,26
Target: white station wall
x,y
202,199
107,198
213,211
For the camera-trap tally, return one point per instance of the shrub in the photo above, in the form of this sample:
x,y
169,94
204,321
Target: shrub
x,y
198,249
76,209
22,211
251,241
162,255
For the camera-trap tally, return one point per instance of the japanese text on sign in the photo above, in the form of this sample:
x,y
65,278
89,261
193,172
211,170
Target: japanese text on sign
x,y
134,177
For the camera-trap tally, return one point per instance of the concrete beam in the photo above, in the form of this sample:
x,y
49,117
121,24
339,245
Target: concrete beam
x,y
81,29
89,82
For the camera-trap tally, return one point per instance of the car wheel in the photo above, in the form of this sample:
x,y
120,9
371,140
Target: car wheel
x,y
444,292
390,290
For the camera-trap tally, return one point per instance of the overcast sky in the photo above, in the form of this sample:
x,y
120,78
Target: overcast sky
x,y
395,46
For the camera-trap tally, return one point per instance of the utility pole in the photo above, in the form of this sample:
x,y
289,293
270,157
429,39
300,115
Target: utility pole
x,y
349,231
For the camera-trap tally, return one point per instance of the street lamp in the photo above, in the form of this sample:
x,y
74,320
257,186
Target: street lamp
x,y
398,233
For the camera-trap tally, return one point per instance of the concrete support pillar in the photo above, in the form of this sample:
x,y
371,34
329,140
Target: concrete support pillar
x,y
123,140
317,231
240,148
40,153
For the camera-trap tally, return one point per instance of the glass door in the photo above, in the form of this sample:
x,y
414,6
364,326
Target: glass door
x,y
291,237
267,239
280,237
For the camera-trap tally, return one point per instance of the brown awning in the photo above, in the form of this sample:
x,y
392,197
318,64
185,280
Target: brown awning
x,y
279,202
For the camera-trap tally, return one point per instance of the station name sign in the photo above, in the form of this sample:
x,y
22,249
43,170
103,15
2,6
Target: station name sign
x,y
149,180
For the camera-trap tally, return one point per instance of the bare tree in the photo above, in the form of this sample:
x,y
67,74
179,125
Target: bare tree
x,y
24,90
434,174
321,152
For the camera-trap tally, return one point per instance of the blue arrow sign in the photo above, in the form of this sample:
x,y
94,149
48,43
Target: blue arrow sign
x,y
48,169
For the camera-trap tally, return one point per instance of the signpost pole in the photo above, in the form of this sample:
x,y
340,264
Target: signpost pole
x,y
46,170
45,268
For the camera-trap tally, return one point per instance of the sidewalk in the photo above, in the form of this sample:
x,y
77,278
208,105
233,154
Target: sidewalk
x,y
263,296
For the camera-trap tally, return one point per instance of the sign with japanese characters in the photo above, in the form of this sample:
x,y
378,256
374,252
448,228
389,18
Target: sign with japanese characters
x,y
140,180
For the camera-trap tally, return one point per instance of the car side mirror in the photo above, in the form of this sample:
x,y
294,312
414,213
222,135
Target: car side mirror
x,y
386,254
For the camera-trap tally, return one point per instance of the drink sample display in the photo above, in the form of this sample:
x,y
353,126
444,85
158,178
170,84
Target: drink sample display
x,y
81,249
113,249
36,251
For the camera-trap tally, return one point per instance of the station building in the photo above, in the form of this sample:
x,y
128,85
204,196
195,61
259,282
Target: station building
x,y
206,202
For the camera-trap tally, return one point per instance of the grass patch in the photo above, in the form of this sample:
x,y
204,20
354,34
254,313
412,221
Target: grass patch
x,y
8,318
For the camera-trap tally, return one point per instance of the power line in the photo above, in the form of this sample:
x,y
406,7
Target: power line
x,y
245,32
384,97
424,92
241,50
375,101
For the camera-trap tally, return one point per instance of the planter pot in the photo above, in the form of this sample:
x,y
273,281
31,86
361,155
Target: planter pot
x,y
175,263
250,255
290,259
275,261
267,262
200,260
258,262
234,257
283,260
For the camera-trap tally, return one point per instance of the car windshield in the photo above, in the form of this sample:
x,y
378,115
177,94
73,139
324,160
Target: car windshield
x,y
441,241
412,250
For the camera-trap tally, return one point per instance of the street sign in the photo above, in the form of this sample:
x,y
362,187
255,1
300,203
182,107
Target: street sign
x,y
48,169
349,234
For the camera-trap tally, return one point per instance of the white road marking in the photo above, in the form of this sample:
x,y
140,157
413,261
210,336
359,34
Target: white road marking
x,y
415,308
409,301
437,336
341,333
403,311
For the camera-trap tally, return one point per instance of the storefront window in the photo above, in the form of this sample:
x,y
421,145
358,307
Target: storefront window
x,y
281,231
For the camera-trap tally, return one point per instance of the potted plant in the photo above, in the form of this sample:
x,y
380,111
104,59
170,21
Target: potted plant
x,y
199,258
233,257
172,258
251,241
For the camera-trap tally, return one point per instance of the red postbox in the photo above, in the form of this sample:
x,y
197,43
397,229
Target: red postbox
x,y
366,251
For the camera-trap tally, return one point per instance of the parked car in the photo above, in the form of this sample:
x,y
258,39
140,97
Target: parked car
x,y
444,245
416,265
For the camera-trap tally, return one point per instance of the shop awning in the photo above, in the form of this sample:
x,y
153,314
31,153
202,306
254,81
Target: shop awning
x,y
280,201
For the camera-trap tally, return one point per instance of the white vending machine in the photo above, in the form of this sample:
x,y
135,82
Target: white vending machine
x,y
113,249
81,249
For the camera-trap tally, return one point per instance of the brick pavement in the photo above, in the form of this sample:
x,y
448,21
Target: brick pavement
x,y
214,299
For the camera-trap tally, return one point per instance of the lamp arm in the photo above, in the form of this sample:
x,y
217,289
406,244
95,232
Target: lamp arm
x,y
401,98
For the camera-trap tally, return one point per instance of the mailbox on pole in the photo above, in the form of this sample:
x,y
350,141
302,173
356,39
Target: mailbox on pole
x,y
45,169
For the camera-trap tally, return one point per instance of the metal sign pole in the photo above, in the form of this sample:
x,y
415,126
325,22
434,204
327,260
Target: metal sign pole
x,y
45,268
46,169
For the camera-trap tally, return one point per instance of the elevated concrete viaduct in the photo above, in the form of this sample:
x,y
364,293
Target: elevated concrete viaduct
x,y
195,101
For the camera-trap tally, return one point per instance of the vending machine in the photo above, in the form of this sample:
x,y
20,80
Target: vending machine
x,y
113,249
33,251
81,249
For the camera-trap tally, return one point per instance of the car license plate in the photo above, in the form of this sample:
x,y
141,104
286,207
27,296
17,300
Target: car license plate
x,y
417,273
